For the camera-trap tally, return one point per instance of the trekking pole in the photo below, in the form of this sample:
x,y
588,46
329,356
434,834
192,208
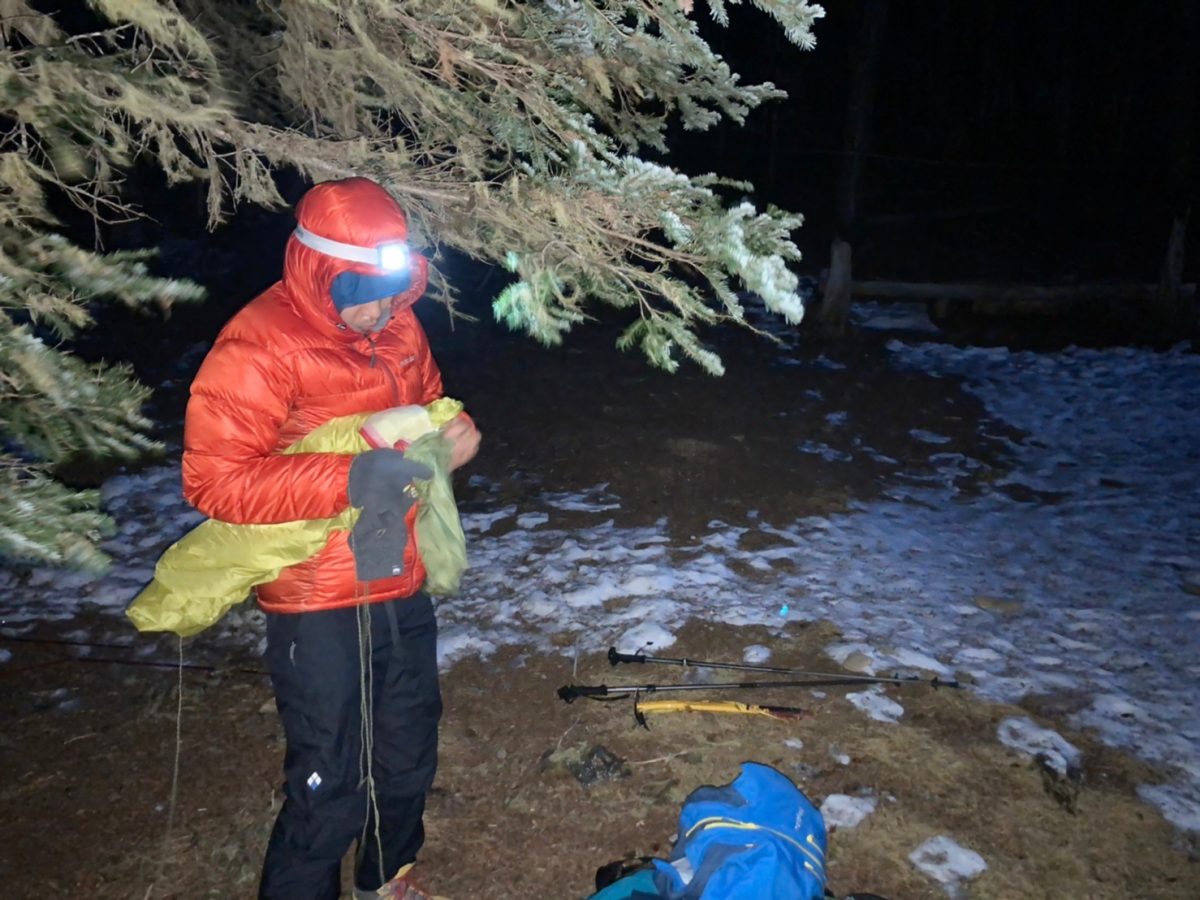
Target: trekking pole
x,y
617,658
572,692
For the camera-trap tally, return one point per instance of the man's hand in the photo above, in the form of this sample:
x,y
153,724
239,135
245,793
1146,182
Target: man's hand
x,y
464,438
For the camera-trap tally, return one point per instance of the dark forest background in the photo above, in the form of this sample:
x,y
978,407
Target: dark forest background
x,y
1009,141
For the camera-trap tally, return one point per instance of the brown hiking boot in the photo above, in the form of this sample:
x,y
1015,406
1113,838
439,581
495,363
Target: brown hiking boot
x,y
401,887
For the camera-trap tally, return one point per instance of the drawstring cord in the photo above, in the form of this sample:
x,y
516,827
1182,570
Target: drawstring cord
x,y
366,764
366,707
168,831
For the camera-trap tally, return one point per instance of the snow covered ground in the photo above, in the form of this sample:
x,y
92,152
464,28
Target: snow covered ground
x,y
1078,572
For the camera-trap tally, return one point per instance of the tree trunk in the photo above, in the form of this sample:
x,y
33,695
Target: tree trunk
x,y
1176,306
1176,311
835,303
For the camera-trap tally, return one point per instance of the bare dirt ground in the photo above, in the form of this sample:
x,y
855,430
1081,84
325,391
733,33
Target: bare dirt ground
x,y
89,743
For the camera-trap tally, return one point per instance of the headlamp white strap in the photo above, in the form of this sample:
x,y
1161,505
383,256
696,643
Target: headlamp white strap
x,y
350,252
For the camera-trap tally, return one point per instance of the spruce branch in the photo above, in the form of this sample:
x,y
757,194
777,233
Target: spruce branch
x,y
517,133
44,523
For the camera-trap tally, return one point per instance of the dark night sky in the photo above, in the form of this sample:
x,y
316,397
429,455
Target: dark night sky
x,y
1053,120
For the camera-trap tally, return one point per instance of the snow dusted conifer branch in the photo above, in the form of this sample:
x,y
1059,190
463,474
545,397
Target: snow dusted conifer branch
x,y
510,131
516,129
77,109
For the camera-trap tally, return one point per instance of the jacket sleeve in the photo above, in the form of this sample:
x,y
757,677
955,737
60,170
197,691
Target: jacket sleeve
x,y
231,468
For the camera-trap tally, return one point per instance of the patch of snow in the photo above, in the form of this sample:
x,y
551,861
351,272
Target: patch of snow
x,y
594,501
914,659
1179,804
928,437
1024,736
860,657
844,811
893,317
877,705
827,453
453,644
482,522
947,862
756,654
977,654
1086,531
646,636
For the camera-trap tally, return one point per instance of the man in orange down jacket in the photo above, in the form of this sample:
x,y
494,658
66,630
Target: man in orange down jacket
x,y
349,631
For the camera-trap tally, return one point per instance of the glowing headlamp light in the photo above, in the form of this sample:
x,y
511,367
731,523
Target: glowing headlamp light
x,y
392,256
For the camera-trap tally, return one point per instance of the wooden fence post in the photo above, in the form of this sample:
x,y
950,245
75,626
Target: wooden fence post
x,y
1176,311
835,302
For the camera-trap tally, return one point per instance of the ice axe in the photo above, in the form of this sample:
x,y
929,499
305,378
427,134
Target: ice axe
x,y
641,707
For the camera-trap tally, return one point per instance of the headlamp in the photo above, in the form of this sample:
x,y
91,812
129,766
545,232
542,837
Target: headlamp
x,y
392,256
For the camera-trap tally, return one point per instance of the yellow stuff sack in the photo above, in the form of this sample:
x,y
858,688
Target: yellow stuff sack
x,y
216,564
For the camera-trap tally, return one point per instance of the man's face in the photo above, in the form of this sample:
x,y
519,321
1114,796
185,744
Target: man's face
x,y
366,318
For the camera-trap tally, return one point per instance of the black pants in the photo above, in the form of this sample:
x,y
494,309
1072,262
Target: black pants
x,y
314,660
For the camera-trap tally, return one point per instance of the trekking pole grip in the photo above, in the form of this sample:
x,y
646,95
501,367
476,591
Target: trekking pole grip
x,y
569,693
615,658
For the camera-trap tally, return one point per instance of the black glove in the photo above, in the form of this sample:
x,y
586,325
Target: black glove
x,y
381,486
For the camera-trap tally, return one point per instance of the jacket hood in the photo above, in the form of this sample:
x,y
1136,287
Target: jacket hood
x,y
352,211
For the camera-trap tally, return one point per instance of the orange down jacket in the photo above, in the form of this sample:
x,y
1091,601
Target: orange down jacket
x,y
285,364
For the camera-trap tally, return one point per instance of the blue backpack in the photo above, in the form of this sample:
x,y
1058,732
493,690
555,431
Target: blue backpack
x,y
758,838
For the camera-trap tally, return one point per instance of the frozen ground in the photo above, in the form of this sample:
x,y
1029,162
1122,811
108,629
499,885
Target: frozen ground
x,y
1074,574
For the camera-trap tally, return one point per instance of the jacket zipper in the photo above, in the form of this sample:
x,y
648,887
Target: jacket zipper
x,y
387,371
